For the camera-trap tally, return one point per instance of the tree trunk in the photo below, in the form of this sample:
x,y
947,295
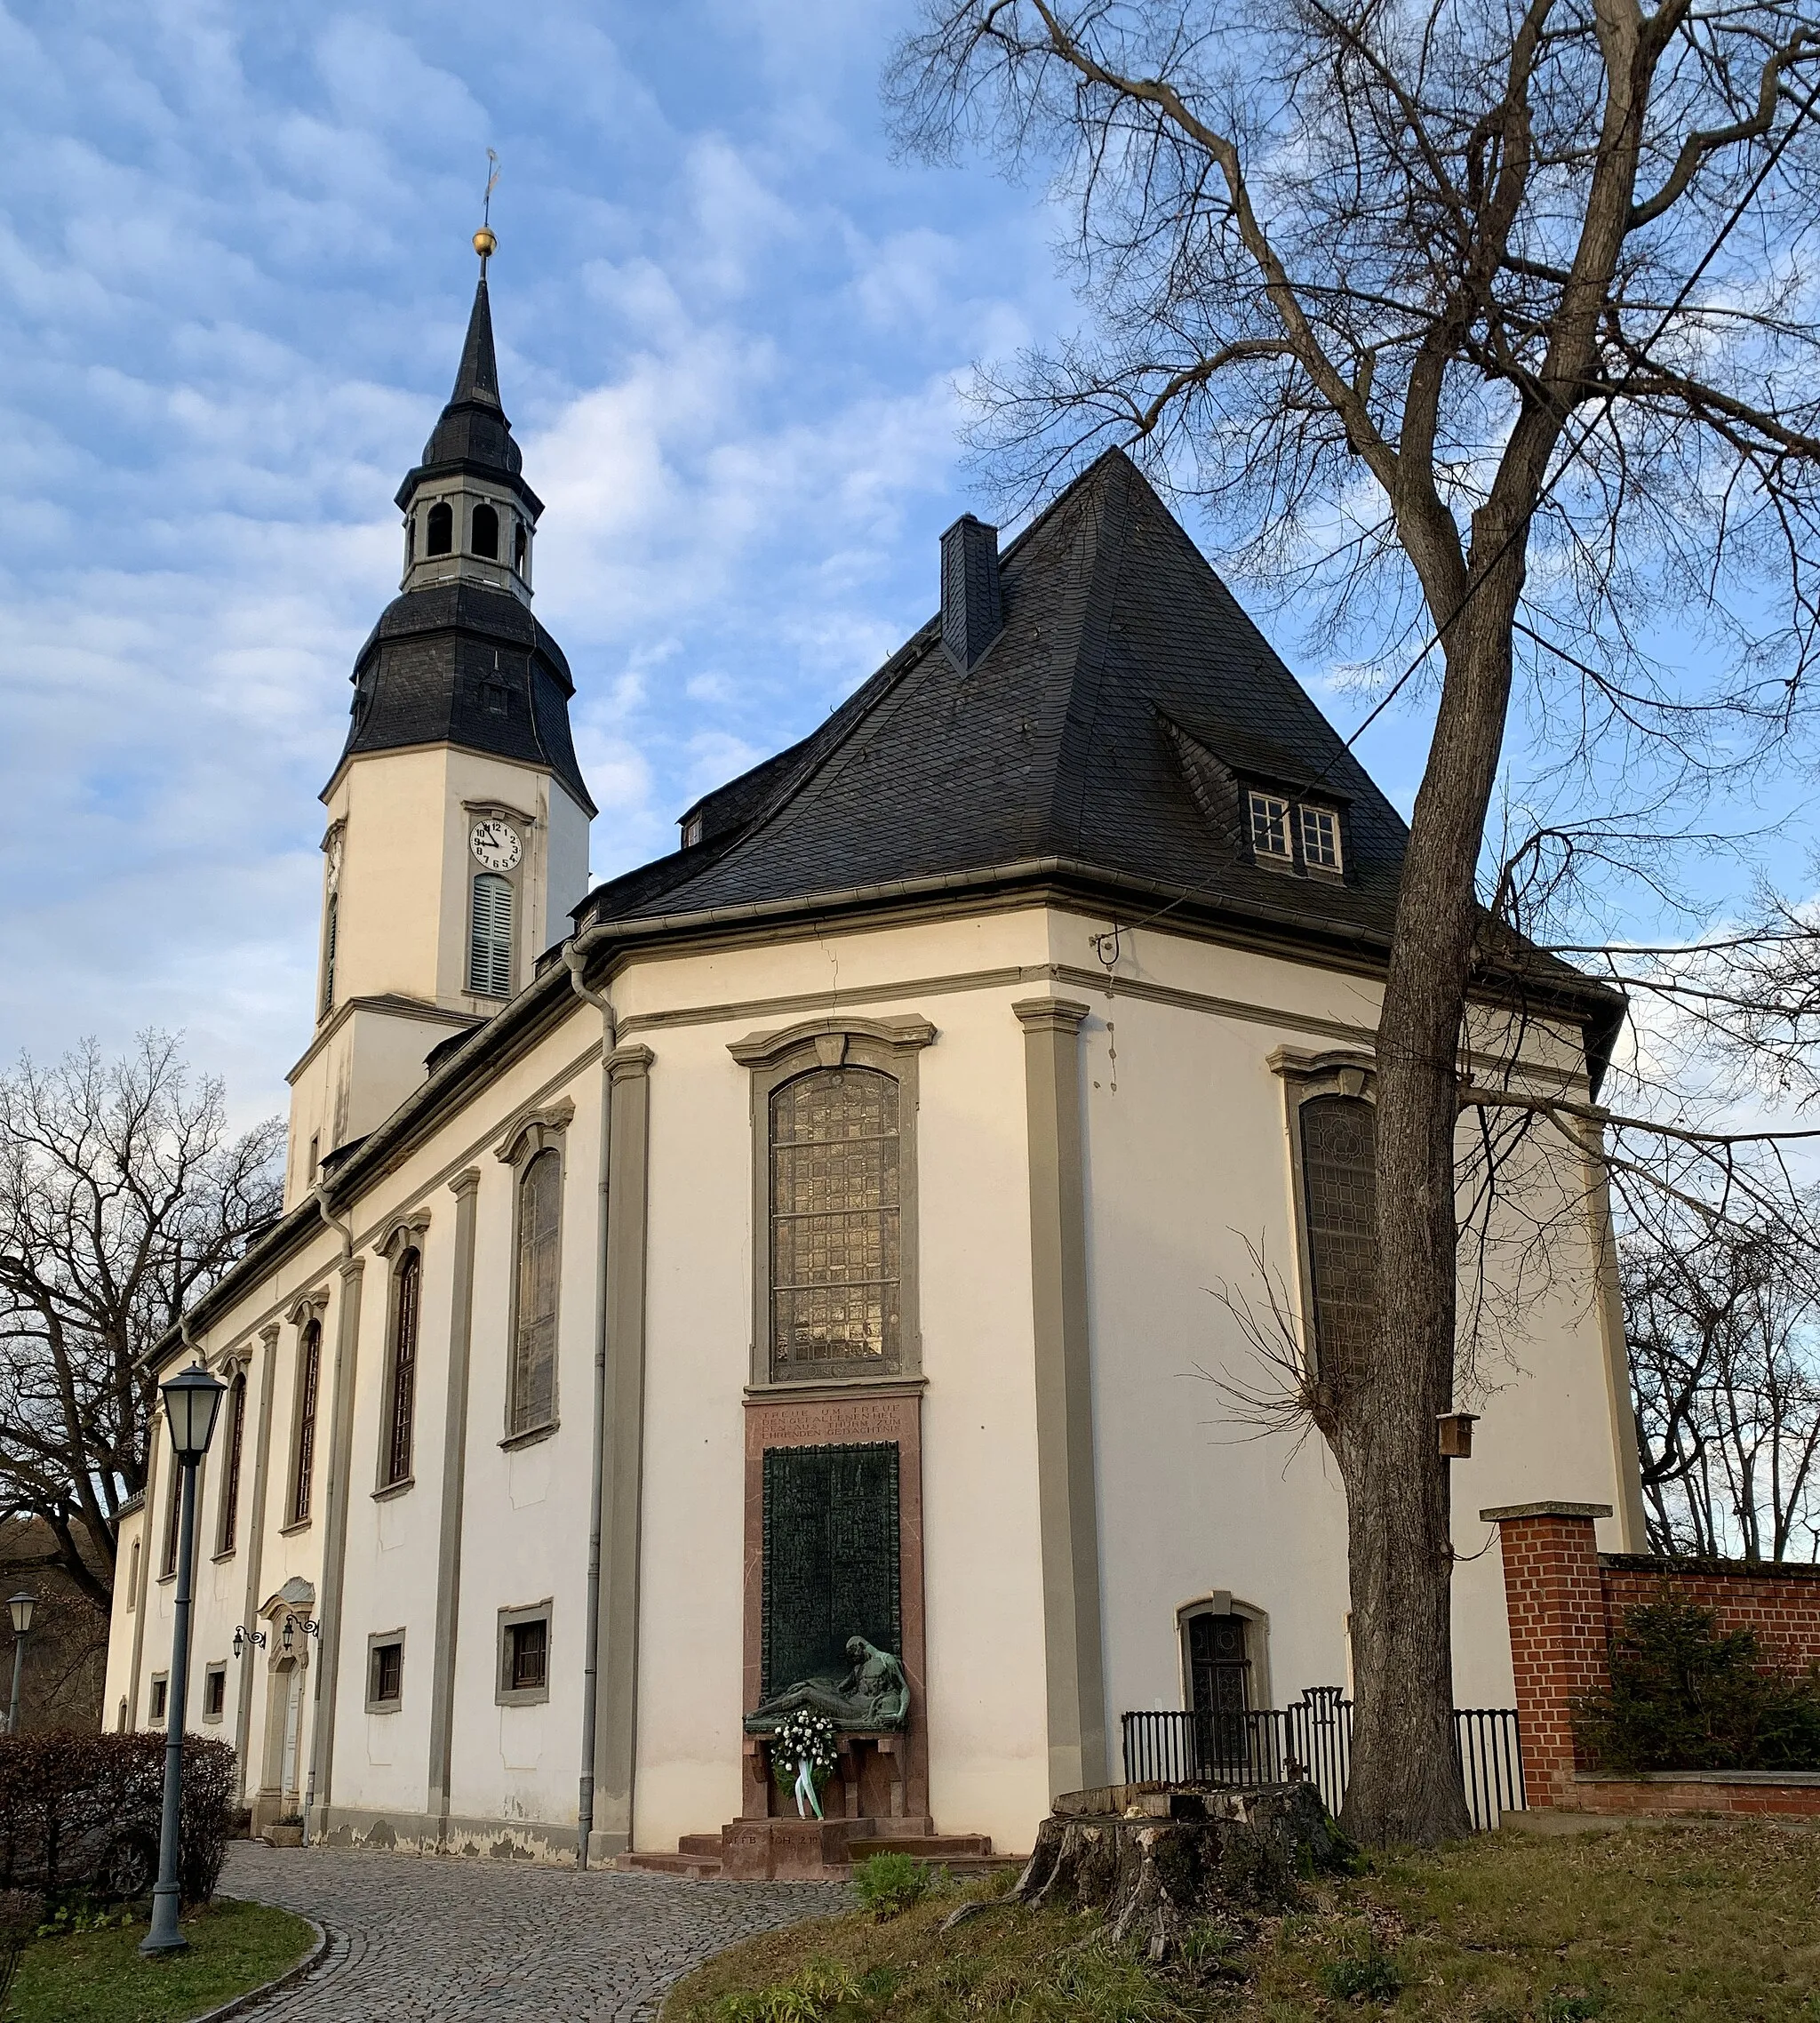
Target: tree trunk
x,y
1405,1783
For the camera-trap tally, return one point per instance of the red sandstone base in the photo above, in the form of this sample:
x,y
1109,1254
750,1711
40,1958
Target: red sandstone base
x,y
799,1851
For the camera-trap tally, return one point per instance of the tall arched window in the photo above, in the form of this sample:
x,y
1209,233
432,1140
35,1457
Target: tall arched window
x,y
486,532
309,1370
533,1394
230,1483
401,1401
835,1262
440,528
1338,1143
173,1520
490,937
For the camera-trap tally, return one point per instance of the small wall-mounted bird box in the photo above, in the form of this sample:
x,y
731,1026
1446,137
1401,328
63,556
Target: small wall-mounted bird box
x,y
1456,1431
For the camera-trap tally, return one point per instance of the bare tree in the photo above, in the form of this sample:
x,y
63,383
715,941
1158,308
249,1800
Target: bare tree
x,y
1724,1335
123,1196
1487,322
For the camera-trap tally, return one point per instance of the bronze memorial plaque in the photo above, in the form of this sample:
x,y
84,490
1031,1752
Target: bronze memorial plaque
x,y
831,1558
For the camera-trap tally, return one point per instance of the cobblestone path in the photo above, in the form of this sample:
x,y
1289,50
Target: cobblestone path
x,y
413,1938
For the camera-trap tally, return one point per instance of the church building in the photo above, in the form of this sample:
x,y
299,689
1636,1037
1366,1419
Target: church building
x,y
804,1271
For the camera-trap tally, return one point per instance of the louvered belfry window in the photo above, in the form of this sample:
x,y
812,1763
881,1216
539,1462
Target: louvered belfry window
x,y
490,938
534,1347
834,1217
403,1399
309,1367
1339,1141
329,934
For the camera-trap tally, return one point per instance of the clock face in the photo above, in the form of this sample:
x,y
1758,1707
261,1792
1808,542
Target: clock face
x,y
495,844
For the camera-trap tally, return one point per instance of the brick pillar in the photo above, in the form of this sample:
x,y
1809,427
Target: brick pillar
x,y
1556,1605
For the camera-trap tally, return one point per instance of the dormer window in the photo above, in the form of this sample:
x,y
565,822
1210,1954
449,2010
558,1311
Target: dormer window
x,y
1321,838
691,832
1293,834
1270,826
486,532
440,528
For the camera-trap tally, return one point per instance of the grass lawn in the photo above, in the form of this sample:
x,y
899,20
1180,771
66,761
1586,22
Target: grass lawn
x,y
98,1977
1673,1924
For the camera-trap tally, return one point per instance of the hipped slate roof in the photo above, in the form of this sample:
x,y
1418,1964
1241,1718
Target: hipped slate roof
x,y
1107,735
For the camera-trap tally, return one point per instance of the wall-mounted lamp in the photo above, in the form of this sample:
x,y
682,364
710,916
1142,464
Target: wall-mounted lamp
x,y
243,1637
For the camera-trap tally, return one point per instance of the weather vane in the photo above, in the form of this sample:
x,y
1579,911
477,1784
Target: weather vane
x,y
484,243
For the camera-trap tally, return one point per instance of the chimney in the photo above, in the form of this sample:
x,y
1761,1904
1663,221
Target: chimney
x,y
971,613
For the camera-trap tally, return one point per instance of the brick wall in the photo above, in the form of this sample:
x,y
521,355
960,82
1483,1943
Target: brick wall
x,y
1564,1599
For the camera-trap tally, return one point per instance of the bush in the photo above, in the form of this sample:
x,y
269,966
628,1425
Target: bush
x,y
889,1884
79,1814
1687,1695
20,1911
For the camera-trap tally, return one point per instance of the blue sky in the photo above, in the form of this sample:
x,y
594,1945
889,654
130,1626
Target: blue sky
x,y
233,280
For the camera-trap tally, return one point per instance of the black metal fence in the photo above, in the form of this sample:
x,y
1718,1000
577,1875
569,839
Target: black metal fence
x,y
1314,1739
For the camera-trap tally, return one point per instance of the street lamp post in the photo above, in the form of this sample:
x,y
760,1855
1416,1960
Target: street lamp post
x,y
192,1399
22,1605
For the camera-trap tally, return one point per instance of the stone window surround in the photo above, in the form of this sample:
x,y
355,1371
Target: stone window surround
x,y
1336,1071
889,1046
312,1306
377,1640
210,1673
157,1700
1220,1602
506,1694
526,825
405,1231
532,1132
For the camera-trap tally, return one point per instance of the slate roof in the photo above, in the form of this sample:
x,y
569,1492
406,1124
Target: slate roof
x,y
1107,734
460,662
472,433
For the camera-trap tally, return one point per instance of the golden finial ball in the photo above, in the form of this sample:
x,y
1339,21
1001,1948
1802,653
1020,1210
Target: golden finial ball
x,y
484,243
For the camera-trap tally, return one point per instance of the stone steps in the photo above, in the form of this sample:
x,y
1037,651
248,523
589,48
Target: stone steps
x,y
699,1856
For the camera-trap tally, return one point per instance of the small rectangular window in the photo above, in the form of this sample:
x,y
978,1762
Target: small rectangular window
x,y
1320,839
386,1682
158,1686
214,1692
490,937
1270,825
524,1655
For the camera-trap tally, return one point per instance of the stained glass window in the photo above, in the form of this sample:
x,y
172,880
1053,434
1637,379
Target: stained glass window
x,y
309,1366
1338,1143
834,1216
403,1400
534,1351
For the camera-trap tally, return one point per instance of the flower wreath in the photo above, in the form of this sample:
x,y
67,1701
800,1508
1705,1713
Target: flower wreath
x,y
802,1738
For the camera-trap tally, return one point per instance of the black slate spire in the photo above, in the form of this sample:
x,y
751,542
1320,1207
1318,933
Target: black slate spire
x,y
458,658
473,433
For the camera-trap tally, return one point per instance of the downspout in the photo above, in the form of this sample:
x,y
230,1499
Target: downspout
x,y
576,958
345,1232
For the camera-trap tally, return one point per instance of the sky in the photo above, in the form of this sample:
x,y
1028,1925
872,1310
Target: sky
x,y
235,270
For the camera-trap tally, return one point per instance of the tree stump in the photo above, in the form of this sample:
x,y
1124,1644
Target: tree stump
x,y
1154,1862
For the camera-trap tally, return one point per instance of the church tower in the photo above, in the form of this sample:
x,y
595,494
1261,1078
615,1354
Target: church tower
x,y
457,841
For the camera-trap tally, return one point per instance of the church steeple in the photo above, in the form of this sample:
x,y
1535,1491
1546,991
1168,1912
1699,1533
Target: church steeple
x,y
457,843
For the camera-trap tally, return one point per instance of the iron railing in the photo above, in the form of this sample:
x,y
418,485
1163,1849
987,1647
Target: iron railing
x,y
1314,1739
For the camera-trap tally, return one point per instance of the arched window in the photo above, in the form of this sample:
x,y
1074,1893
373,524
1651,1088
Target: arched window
x,y
490,937
309,1370
440,528
533,1395
1338,1143
520,546
132,1579
403,1399
173,1520
329,927
409,541
833,1213
486,532
230,1486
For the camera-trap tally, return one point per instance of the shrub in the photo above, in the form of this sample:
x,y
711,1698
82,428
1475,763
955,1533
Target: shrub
x,y
1687,1695
888,1884
817,1995
20,1911
79,1814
